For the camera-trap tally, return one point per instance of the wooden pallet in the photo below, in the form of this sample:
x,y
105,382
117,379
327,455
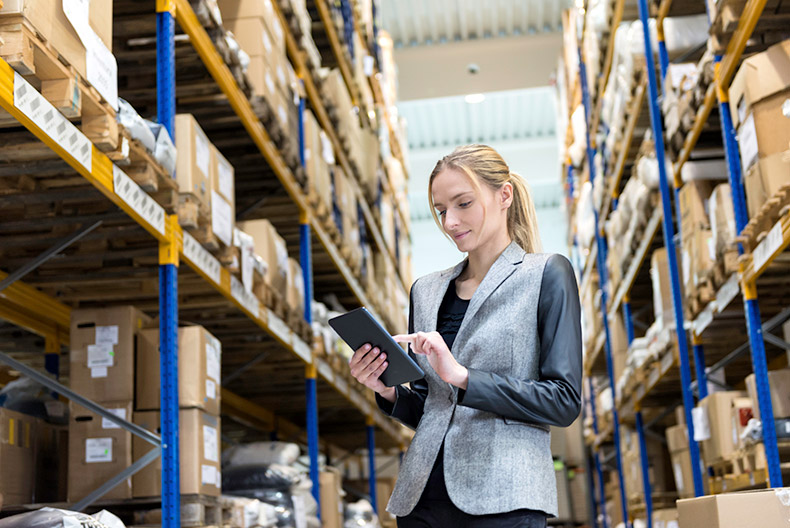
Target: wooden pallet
x,y
29,53
772,210
196,511
195,217
699,297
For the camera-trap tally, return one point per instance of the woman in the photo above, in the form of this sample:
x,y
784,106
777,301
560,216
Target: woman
x,y
499,339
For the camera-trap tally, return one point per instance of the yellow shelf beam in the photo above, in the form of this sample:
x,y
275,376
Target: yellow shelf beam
x,y
746,24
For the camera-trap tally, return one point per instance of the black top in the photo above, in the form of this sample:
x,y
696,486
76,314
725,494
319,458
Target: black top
x,y
555,397
451,314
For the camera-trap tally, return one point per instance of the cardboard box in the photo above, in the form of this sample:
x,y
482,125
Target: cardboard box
x,y
764,179
103,344
662,288
667,518
295,295
331,498
318,155
766,131
193,167
760,75
17,457
722,217
764,508
779,381
49,19
718,408
199,360
271,247
262,80
677,442
52,462
199,452
98,450
253,35
263,9
677,438
223,202
693,198
740,414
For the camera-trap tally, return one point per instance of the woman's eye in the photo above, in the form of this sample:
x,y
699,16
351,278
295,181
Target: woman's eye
x,y
465,204
442,213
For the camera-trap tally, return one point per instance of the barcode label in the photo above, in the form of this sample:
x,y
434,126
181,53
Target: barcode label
x,y
201,258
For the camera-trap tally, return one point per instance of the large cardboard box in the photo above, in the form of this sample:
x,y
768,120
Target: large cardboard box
x,y
263,9
193,166
98,450
760,75
318,154
764,179
262,79
331,500
722,217
17,457
718,408
49,20
764,508
253,35
295,295
223,197
779,382
199,451
103,343
270,246
766,131
693,197
52,462
199,360
677,442
662,289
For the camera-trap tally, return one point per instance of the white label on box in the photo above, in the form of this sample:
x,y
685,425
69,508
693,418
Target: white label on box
x,y
100,355
245,298
678,471
202,151
686,264
727,292
247,263
219,479
302,350
99,372
367,65
98,450
139,200
747,141
210,444
269,80
278,327
107,335
102,70
211,390
672,524
51,122
225,176
766,249
787,427
109,424
213,352
267,42
205,261
208,475
221,218
282,113
699,418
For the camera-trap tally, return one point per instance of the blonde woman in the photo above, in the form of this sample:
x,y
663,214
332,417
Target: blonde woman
x,y
499,338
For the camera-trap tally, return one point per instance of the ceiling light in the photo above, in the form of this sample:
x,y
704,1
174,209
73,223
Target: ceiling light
x,y
475,98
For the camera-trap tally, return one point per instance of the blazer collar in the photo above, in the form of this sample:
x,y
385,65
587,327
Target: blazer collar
x,y
500,270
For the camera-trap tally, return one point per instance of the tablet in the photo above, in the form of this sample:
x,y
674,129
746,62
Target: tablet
x,y
358,327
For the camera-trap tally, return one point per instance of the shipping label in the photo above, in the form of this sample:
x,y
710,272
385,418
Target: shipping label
x,y
202,151
101,355
98,450
221,218
107,335
213,353
210,444
109,424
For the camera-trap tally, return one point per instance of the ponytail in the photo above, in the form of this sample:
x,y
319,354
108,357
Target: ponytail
x,y
483,164
522,223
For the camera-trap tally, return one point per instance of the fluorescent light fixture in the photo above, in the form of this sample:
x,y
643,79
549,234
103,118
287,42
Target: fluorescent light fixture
x,y
475,98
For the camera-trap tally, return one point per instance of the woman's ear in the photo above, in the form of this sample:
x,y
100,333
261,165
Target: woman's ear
x,y
506,195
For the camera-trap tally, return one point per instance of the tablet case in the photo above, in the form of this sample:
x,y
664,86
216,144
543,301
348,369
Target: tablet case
x,y
358,327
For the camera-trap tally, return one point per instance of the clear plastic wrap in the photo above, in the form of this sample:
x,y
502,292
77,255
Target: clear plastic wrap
x,y
135,125
55,518
682,34
261,453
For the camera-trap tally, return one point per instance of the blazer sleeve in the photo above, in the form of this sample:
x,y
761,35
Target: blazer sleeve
x,y
409,402
555,397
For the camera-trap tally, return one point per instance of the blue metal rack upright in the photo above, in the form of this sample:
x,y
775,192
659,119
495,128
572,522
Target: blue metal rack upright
x,y
168,282
669,235
597,460
371,435
601,261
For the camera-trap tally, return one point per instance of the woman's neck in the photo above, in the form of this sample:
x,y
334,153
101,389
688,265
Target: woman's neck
x,y
482,258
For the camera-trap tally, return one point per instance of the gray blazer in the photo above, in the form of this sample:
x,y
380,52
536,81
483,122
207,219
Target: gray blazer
x,y
521,341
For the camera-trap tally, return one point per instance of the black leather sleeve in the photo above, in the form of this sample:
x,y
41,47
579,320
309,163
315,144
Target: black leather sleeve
x,y
555,397
409,402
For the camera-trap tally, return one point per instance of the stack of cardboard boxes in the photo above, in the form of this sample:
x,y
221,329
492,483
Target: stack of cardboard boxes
x,y
199,360
319,157
725,413
678,444
697,259
206,182
779,382
758,94
115,362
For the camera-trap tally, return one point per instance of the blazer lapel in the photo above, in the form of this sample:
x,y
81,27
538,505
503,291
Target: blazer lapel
x,y
437,292
501,269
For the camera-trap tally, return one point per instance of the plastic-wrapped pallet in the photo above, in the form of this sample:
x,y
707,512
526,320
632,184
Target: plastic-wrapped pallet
x,y
266,453
360,514
55,518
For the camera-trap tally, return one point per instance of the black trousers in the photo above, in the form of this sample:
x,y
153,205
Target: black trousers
x,y
436,510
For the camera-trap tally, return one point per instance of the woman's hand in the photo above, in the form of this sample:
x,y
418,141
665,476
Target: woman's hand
x,y
432,346
367,365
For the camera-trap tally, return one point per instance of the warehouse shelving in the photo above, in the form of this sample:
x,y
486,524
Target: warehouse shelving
x,y
158,233
715,326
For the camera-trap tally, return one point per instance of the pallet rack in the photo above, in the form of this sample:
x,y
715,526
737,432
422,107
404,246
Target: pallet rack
x,y
209,294
713,328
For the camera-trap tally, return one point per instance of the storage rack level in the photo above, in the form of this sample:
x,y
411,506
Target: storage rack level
x,y
716,328
117,262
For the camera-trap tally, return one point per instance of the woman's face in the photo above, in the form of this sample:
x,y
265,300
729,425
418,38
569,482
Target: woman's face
x,y
462,209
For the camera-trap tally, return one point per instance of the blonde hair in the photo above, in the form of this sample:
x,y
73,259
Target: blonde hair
x,y
482,163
